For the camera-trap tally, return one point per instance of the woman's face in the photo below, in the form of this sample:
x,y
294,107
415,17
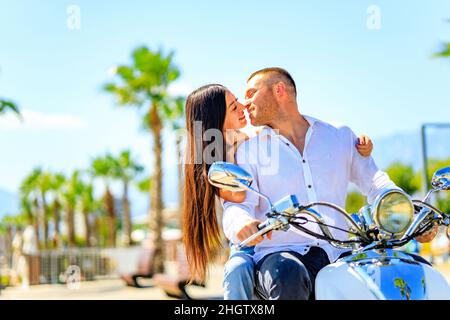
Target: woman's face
x,y
234,116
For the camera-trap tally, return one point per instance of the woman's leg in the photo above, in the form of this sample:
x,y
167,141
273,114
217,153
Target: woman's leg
x,y
239,277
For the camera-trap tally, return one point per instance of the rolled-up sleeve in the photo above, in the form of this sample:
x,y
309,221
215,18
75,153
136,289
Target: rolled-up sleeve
x,y
370,180
236,215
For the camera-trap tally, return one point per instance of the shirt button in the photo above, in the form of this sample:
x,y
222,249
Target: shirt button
x,y
309,186
304,161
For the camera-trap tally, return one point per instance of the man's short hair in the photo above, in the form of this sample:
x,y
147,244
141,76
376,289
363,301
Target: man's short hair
x,y
276,75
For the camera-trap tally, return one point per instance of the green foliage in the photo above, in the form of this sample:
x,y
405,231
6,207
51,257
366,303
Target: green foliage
x,y
105,168
443,201
145,81
145,184
87,201
19,220
445,51
72,189
6,105
404,177
433,166
125,167
354,202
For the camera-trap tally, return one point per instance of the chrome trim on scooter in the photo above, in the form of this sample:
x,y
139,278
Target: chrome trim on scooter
x,y
390,274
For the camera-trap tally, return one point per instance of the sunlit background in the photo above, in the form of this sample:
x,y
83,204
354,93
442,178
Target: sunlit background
x,y
380,67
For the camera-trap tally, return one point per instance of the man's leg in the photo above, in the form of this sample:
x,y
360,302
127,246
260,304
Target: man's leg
x,y
289,275
239,277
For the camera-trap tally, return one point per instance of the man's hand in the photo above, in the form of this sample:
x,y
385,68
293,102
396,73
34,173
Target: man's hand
x,y
364,146
429,235
248,230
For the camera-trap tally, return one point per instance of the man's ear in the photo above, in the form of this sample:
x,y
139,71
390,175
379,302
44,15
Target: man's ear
x,y
279,89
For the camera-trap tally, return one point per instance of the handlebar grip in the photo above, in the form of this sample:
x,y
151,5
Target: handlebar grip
x,y
263,224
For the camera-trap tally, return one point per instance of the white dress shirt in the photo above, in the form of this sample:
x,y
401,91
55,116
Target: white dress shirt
x,y
329,162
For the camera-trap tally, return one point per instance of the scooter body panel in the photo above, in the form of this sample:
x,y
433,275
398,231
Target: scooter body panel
x,y
380,275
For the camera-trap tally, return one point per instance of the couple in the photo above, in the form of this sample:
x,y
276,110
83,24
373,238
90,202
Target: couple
x,y
315,161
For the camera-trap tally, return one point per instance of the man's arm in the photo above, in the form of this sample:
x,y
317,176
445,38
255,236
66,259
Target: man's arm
x,y
372,182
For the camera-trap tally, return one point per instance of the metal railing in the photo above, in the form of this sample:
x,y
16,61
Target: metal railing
x,y
93,263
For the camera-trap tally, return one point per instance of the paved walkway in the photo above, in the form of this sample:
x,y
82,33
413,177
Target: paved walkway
x,y
114,289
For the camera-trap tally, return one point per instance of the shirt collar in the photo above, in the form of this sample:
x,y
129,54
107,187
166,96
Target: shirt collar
x,y
268,131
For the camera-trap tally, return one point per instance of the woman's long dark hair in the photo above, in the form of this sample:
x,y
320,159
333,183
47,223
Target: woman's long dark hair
x,y
201,231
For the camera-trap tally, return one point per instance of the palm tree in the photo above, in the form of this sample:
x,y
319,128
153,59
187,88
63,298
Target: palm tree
x,y
177,125
88,204
6,105
127,169
57,182
29,196
145,82
44,186
104,168
445,51
71,194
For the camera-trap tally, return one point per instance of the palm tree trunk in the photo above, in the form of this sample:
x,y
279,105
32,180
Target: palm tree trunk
x,y
126,214
71,226
87,227
156,202
36,220
45,219
56,219
97,233
109,205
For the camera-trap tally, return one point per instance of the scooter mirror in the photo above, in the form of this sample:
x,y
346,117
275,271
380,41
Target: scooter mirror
x,y
229,176
441,179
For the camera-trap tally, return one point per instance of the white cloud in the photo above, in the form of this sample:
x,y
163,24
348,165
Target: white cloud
x,y
33,120
180,89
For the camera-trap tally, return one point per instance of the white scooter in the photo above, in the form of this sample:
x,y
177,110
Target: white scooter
x,y
373,269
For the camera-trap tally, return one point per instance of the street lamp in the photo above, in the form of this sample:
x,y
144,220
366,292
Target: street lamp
x,y
424,152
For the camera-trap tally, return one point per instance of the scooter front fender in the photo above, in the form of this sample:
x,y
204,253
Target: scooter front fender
x,y
389,278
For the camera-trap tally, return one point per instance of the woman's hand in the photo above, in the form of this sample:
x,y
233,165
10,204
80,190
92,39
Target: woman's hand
x,y
429,235
364,146
249,229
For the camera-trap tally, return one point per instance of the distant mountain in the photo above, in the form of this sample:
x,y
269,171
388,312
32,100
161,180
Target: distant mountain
x,y
403,147
406,148
9,203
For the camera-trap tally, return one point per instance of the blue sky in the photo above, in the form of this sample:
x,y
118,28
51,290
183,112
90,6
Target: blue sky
x,y
378,81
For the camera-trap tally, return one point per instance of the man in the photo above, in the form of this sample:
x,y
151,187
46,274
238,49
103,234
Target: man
x,y
313,160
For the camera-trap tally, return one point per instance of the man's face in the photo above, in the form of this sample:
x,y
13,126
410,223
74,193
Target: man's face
x,y
260,101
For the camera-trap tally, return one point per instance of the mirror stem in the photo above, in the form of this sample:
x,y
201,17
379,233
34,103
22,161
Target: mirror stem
x,y
261,195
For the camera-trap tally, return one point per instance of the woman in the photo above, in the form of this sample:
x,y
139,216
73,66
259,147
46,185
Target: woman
x,y
214,107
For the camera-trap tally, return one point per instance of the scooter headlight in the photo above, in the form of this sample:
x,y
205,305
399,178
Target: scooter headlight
x,y
393,211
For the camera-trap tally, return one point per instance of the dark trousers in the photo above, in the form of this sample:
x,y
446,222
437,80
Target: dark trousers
x,y
288,275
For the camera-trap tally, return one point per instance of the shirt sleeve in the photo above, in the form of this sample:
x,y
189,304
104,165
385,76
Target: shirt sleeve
x,y
370,180
236,215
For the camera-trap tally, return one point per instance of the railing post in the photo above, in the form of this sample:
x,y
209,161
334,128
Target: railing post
x,y
424,160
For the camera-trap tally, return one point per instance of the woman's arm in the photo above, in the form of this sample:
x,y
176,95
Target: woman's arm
x,y
232,196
